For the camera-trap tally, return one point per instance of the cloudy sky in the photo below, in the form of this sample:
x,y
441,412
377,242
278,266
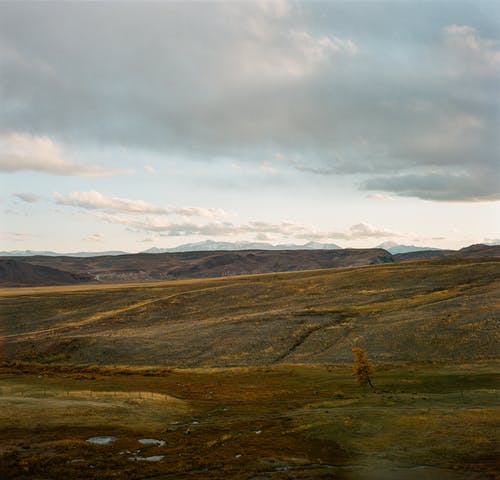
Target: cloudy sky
x,y
132,125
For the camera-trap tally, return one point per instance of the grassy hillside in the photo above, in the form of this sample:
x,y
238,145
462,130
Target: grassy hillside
x,y
440,309
15,273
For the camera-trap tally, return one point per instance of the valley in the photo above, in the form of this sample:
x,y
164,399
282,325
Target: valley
x,y
250,377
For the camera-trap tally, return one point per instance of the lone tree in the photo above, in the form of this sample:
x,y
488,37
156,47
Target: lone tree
x,y
362,369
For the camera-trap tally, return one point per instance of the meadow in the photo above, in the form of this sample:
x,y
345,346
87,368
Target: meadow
x,y
251,377
423,421
441,309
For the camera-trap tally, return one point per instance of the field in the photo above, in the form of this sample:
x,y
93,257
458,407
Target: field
x,y
441,309
423,421
250,377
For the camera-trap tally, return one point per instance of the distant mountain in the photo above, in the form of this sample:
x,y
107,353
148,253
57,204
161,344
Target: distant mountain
x,y
211,246
96,254
28,253
395,248
32,253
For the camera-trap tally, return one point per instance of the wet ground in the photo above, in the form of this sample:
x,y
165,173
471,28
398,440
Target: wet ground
x,y
288,422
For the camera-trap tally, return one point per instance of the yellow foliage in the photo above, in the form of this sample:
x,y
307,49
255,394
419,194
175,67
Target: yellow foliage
x,y
362,369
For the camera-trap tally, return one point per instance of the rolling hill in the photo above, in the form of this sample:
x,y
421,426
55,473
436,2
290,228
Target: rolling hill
x,y
184,265
15,273
425,310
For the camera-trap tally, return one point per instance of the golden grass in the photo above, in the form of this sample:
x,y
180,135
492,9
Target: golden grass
x,y
439,309
246,377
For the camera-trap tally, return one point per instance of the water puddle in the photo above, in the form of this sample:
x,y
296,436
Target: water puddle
x,y
101,440
152,441
152,458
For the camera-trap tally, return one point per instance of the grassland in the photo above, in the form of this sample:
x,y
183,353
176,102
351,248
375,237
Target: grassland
x,y
424,421
444,309
250,377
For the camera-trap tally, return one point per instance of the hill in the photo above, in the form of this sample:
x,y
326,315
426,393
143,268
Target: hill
x,y
142,267
184,265
18,273
425,310
473,251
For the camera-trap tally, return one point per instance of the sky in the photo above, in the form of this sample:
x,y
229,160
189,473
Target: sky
x,y
127,125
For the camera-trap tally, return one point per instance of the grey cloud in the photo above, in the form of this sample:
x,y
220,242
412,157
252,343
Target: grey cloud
x,y
27,197
343,87
440,186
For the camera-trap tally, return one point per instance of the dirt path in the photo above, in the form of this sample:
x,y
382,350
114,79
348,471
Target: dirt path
x,y
67,327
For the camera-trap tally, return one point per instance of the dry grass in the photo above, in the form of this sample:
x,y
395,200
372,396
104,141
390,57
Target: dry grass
x,y
305,422
263,398
410,311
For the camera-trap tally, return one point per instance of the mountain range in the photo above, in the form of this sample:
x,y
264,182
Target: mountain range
x,y
394,248
212,246
48,253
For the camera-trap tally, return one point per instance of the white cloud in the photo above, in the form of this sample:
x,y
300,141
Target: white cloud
x,y
261,230
308,52
379,196
267,167
492,241
460,30
93,200
22,151
149,239
269,49
364,230
17,236
96,237
476,55
169,228
360,231
149,169
27,197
